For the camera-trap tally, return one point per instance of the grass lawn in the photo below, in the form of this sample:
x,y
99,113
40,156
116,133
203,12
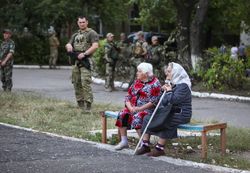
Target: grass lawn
x,y
61,117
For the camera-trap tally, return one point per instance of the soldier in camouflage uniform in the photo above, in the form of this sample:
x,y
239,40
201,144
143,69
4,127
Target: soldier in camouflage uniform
x,y
139,54
122,66
54,44
155,56
7,50
111,57
83,43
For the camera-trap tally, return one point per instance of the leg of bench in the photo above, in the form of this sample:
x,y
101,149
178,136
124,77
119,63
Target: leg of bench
x,y
223,141
204,144
104,128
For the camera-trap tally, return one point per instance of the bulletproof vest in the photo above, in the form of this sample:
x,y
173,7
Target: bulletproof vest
x,y
81,41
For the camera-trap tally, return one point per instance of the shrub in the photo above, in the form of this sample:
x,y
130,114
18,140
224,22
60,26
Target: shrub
x,y
99,64
220,71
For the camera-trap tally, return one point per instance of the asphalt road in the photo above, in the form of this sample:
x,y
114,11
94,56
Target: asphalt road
x,y
28,152
56,83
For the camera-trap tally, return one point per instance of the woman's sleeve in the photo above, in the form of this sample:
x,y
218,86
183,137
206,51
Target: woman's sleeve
x,y
176,96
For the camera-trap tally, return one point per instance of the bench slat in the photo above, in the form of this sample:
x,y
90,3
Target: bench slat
x,y
191,127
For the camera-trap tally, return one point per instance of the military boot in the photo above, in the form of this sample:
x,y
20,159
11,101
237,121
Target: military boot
x,y
81,104
88,107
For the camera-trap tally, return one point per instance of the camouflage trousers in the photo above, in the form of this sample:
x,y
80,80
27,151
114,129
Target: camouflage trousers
x,y
81,79
134,62
110,75
6,76
53,57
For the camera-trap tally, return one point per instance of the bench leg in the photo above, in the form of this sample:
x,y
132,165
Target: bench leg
x,y
204,145
223,141
104,128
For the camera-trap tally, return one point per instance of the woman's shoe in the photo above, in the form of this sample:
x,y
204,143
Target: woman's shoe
x,y
143,150
156,152
121,146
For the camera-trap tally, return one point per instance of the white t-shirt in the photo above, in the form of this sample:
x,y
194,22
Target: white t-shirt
x,y
234,52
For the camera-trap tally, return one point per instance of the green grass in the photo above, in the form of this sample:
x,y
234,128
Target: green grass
x,y
51,115
61,117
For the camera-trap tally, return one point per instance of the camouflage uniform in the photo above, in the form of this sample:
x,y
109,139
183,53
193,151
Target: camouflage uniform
x,y
155,56
122,66
81,75
54,43
7,46
111,57
137,58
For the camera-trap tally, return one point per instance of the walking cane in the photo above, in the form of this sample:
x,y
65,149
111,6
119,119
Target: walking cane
x,y
152,116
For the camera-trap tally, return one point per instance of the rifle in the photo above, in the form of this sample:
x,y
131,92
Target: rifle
x,y
80,63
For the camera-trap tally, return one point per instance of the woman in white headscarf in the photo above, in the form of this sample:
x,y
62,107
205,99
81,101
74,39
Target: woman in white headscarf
x,y
175,109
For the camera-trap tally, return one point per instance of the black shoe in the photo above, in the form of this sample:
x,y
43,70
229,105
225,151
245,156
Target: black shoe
x,y
156,152
143,150
80,104
88,107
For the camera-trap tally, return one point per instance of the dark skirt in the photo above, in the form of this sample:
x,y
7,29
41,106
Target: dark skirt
x,y
167,129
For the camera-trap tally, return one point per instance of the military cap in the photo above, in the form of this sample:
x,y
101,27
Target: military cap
x,y
7,31
109,35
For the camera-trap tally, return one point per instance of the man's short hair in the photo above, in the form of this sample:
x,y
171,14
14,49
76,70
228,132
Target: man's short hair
x,y
82,17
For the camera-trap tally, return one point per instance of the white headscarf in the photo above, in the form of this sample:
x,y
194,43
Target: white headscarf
x,y
146,68
179,75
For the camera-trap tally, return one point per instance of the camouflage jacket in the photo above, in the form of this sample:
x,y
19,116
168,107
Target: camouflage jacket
x,y
111,51
7,46
53,41
155,54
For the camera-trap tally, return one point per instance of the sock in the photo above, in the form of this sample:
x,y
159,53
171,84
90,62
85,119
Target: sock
x,y
159,147
145,143
124,139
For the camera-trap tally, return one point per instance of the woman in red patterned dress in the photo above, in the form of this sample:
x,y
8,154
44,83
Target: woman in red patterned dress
x,y
140,101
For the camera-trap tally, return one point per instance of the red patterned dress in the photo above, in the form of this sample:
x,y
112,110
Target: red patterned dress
x,y
139,94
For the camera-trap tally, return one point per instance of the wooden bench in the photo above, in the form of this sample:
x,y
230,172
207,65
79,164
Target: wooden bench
x,y
188,127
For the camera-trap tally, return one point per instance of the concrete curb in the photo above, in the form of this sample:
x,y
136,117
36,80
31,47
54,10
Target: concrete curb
x,y
125,85
108,147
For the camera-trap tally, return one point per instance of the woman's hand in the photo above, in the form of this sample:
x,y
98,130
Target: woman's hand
x,y
167,87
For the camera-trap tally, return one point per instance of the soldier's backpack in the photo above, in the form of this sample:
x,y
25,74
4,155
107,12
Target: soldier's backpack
x,y
138,50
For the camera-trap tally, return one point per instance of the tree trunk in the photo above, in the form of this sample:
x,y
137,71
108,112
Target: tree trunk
x,y
184,11
196,32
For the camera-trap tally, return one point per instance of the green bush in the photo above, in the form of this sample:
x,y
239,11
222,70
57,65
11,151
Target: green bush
x,y
35,50
220,71
99,64
31,50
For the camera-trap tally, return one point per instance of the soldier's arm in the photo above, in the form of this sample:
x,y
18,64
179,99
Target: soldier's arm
x,y
145,48
9,55
7,58
69,46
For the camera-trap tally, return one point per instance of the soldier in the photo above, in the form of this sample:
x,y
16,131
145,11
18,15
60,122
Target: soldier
x,y
139,54
155,55
7,50
111,57
83,43
122,66
54,44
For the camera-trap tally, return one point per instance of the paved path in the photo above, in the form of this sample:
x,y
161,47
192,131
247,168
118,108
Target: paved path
x,y
56,83
24,151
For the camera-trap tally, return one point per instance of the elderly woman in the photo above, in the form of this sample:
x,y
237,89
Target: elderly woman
x,y
140,101
175,107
